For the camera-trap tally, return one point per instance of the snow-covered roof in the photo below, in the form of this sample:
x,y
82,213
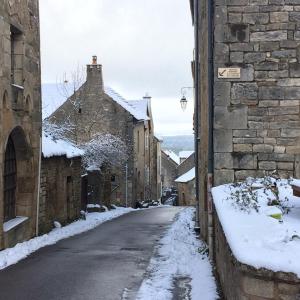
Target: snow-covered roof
x,y
58,147
185,154
135,110
173,156
53,99
141,108
187,177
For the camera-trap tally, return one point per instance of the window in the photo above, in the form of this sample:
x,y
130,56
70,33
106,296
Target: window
x,y
10,176
17,56
146,141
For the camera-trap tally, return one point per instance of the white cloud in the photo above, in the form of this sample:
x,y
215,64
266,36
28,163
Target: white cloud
x,y
144,46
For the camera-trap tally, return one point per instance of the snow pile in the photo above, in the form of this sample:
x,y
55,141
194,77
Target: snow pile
x,y
179,256
58,147
262,226
187,177
22,250
173,156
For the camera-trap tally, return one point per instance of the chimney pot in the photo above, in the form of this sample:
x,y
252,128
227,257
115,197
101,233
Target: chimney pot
x,y
94,60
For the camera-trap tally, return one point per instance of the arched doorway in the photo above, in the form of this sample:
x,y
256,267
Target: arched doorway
x,y
10,181
18,177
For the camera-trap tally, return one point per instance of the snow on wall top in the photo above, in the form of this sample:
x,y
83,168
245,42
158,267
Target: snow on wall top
x,y
173,156
255,238
51,147
53,99
187,177
185,154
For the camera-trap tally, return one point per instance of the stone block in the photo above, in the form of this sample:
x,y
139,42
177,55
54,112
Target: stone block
x,y
292,149
242,148
243,174
244,161
269,46
221,52
230,117
238,33
279,17
270,93
256,18
244,91
264,148
292,93
267,66
245,47
257,287
285,166
223,140
223,161
237,57
222,93
277,35
254,57
279,149
234,17
244,133
267,165
290,133
223,176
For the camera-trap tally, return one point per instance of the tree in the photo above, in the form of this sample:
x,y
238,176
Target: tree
x,y
104,150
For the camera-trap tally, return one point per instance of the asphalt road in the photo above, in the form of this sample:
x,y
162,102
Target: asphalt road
x,y
107,263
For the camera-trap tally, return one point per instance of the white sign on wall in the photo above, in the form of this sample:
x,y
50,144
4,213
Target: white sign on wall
x,y
230,73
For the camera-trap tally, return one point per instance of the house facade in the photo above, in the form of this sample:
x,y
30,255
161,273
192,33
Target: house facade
x,y
169,164
60,183
20,121
94,109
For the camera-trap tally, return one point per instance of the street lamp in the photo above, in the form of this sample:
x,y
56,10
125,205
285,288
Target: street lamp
x,y
183,101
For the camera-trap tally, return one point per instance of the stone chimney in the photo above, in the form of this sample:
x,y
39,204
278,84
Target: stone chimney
x,y
147,97
94,74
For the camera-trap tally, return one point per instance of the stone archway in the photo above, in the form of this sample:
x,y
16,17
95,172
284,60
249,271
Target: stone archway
x,y
18,176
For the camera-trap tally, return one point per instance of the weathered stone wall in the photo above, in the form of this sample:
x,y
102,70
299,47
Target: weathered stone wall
x,y
20,106
240,281
60,191
168,171
256,117
186,165
186,193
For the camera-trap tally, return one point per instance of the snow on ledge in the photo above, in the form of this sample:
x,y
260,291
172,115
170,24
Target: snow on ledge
x,y
7,226
257,239
22,250
59,147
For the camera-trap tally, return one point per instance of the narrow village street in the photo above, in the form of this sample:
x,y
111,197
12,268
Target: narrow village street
x,y
99,264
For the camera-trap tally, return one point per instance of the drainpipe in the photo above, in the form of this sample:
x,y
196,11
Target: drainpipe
x,y
38,190
210,179
126,184
197,111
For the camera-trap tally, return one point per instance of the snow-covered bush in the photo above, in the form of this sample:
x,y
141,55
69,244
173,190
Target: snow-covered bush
x,y
247,196
104,150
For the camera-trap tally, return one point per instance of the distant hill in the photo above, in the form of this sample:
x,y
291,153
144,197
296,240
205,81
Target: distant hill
x,y
178,143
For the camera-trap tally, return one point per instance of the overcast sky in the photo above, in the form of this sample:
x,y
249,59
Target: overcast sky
x,y
143,45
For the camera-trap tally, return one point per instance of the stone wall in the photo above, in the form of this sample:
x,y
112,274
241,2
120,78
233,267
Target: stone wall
x,y
168,171
256,117
60,191
20,108
242,282
186,165
186,193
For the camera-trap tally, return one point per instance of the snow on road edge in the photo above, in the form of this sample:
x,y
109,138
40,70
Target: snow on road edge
x,y
178,255
22,250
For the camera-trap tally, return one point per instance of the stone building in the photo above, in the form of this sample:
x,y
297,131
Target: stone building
x,y
60,183
185,181
169,164
20,119
94,109
247,88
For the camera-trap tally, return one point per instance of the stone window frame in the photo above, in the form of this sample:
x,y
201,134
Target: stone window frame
x,y
5,100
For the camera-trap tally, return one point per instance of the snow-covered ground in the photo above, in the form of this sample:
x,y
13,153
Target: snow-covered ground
x,y
22,250
261,235
178,255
